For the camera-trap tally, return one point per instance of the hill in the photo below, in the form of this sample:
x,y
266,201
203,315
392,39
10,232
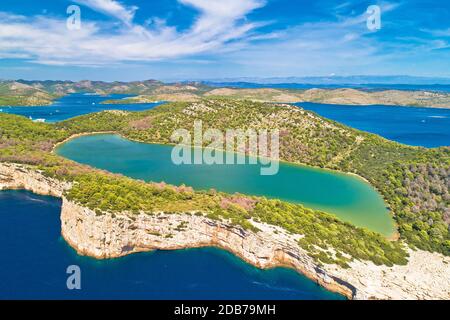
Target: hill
x,y
28,93
414,181
14,93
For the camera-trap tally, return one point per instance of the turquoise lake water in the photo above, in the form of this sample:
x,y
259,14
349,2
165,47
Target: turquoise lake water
x,y
346,196
35,257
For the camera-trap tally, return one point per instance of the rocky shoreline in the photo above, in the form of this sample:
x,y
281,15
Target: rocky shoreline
x,y
103,236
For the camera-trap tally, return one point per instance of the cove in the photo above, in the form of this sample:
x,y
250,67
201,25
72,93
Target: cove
x,y
346,196
35,257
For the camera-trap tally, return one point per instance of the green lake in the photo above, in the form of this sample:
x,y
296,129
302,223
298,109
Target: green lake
x,y
346,196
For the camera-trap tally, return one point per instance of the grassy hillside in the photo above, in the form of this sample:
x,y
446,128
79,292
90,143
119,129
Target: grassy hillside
x,y
27,93
328,239
14,93
414,181
328,96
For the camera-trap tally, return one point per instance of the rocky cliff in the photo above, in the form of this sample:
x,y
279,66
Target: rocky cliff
x,y
15,176
109,236
105,235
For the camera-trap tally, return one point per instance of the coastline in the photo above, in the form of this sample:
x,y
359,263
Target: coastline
x,y
77,135
275,101
236,152
279,262
394,236
108,236
375,105
48,104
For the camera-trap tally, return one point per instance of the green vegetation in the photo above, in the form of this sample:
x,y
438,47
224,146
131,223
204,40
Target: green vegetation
x,y
11,100
414,181
24,101
325,234
17,94
419,200
29,93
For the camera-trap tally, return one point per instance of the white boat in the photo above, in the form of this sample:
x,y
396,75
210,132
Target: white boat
x,y
39,120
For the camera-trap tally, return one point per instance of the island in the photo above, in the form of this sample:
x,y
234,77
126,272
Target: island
x,y
105,215
36,93
13,93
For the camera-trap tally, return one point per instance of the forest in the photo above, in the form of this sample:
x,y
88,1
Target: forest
x,y
413,181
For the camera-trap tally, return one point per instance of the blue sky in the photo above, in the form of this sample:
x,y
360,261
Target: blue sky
x,y
204,39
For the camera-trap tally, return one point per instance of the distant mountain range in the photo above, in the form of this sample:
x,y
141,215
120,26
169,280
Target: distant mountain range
x,y
33,93
338,80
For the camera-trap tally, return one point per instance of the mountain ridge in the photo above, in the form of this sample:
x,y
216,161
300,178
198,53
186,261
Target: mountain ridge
x,y
29,93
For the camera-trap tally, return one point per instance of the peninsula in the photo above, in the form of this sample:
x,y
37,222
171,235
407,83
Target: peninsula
x,y
106,215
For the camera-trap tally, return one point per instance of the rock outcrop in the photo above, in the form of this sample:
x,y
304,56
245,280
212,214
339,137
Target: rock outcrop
x,y
106,235
15,176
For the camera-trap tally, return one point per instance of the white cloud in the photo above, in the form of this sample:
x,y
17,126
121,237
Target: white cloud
x,y
46,40
343,46
221,27
112,8
217,17
438,32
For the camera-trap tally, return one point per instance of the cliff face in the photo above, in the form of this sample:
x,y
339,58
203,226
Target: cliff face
x,y
13,176
427,276
109,236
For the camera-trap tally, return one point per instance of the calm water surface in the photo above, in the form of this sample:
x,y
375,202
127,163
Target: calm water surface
x,y
426,127
75,105
35,257
34,260
346,196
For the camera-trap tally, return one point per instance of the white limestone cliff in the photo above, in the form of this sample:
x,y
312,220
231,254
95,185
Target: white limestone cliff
x,y
105,235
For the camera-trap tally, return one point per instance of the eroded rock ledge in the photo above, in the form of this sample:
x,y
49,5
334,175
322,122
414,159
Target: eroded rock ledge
x,y
426,276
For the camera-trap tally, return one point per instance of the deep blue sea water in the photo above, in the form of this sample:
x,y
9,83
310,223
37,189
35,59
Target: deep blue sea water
x,y
34,260
427,127
34,256
75,105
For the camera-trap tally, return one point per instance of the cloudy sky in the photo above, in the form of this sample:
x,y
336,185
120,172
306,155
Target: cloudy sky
x,y
201,39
